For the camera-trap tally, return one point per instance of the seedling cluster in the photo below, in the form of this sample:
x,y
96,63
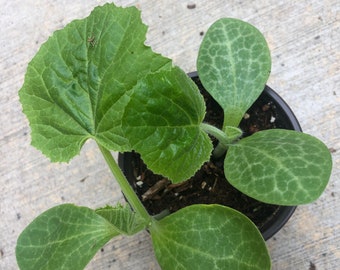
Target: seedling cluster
x,y
95,79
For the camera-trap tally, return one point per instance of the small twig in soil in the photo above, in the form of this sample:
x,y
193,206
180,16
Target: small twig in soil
x,y
215,182
152,191
179,187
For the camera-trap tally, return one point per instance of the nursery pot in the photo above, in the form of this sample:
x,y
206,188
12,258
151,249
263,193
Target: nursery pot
x,y
268,111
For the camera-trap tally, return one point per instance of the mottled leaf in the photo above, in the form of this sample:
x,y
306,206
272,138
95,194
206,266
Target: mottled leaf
x,y
214,237
279,167
64,237
123,218
234,64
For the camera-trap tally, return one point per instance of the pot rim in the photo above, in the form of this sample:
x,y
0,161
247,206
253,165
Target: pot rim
x,y
284,213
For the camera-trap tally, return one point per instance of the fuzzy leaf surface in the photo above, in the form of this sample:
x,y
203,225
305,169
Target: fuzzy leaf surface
x,y
162,122
77,85
279,167
213,237
64,237
123,218
234,64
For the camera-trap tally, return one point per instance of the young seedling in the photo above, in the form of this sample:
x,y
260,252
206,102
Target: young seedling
x,y
113,89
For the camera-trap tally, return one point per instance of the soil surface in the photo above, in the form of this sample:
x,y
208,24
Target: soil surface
x,y
208,185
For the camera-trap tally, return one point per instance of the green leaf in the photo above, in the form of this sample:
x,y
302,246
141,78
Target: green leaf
x,y
77,85
279,167
210,237
233,133
234,64
123,218
63,237
162,122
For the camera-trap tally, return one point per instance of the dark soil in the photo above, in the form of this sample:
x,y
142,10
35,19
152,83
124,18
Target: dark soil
x,y
208,185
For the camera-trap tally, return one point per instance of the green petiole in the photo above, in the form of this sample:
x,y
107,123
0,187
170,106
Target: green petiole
x,y
124,184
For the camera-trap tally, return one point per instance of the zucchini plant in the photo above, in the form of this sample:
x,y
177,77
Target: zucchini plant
x,y
96,79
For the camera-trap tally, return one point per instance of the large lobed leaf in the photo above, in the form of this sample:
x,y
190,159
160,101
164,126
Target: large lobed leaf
x,y
63,237
214,237
234,64
279,167
162,122
77,85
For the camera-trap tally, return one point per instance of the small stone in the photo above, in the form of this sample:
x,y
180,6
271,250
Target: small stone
x,y
191,6
265,107
332,150
312,266
139,183
246,116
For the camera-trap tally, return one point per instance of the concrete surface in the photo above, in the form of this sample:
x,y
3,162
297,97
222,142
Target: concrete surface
x,y
304,38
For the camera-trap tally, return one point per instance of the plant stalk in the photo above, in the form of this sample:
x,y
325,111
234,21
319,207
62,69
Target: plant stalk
x,y
222,138
225,139
217,133
127,190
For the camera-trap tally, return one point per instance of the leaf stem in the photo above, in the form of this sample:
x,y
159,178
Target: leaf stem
x,y
219,150
124,184
217,133
225,138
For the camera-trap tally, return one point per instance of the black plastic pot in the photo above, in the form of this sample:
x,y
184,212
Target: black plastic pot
x,y
286,120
